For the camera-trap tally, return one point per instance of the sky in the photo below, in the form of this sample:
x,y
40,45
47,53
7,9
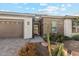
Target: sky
x,y
42,8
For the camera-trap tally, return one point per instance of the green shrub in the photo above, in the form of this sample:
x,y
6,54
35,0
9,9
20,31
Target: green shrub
x,y
53,37
75,37
67,38
60,38
45,37
56,37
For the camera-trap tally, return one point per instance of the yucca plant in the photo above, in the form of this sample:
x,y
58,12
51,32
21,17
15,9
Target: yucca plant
x,y
59,50
49,45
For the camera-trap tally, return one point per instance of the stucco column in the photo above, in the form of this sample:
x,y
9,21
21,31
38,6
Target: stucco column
x,y
68,27
28,28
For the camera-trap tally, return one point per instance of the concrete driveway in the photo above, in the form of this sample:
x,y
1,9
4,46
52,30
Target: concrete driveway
x,y
9,47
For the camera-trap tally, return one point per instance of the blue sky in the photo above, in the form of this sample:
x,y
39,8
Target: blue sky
x,y
42,8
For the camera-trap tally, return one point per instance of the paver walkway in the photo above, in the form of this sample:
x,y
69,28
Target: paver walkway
x,y
9,47
73,46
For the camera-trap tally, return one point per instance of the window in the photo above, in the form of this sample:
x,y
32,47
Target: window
x,y
75,25
54,26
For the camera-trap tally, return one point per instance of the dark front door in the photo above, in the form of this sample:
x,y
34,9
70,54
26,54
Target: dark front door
x,y
36,29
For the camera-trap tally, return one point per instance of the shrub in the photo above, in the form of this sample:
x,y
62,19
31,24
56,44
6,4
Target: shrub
x,y
53,37
45,37
75,37
67,38
56,37
58,51
59,37
29,50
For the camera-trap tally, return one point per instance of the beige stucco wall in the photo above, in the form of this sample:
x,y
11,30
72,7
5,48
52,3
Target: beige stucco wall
x,y
27,28
68,27
47,25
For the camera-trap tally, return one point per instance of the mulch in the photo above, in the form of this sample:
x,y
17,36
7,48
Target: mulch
x,y
42,50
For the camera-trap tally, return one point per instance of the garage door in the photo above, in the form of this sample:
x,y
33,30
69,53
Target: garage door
x,y
11,29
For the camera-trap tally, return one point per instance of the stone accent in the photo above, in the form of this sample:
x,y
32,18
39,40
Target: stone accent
x,y
60,27
47,25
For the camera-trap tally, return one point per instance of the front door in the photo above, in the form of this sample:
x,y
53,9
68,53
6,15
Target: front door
x,y
36,29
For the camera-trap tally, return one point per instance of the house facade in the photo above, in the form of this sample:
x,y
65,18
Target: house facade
x,y
15,25
19,25
67,25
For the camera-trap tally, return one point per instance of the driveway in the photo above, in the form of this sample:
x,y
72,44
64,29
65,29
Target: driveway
x,y
9,47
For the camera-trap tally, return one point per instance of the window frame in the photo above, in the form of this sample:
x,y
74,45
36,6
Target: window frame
x,y
54,28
